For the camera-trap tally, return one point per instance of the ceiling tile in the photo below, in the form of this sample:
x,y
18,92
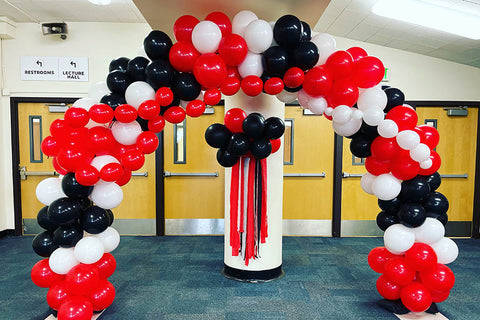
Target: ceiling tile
x,y
399,44
362,32
379,39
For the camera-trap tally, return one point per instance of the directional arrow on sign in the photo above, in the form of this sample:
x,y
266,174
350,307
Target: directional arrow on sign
x,y
74,64
39,63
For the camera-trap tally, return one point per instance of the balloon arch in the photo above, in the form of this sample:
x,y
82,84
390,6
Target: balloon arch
x,y
104,137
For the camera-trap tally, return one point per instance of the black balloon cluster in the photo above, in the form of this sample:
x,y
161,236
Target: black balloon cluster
x,y
416,201
255,139
66,219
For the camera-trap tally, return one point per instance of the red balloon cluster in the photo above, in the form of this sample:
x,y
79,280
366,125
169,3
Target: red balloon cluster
x,y
83,290
415,277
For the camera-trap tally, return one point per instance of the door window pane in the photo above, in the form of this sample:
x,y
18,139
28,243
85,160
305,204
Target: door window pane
x,y
35,132
288,142
179,144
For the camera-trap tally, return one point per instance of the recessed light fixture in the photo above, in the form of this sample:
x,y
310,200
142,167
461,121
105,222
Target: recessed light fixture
x,y
447,16
100,2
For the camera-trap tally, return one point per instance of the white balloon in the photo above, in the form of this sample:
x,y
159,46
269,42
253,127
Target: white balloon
x,y
62,260
107,195
386,187
98,90
367,181
138,92
387,128
420,153
329,111
49,190
251,65
303,98
357,114
286,96
100,161
408,139
342,114
373,116
318,105
430,231
326,46
89,250
241,21
446,250
372,98
109,238
126,133
258,36
348,128
426,164
84,103
206,36
398,238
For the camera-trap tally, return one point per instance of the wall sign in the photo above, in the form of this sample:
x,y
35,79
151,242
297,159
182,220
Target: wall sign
x,y
54,68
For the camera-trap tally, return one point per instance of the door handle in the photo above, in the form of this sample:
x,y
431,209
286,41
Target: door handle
x,y
140,174
190,174
465,175
305,175
351,175
24,173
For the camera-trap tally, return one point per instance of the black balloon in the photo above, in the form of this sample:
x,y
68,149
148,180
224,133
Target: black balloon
x,y
261,148
84,203
64,211
395,98
73,189
118,81
275,61
68,236
390,206
238,145
44,220
254,125
436,202
159,74
136,68
43,244
360,146
412,215
443,218
415,190
306,32
110,216
287,31
217,135
94,220
304,56
369,131
185,86
113,100
385,220
157,45
226,159
296,89
434,181
118,64
274,128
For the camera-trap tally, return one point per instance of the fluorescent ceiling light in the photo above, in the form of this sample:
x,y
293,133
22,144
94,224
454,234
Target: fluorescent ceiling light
x,y
100,2
441,17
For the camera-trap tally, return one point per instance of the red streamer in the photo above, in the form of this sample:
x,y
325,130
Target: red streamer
x,y
264,224
250,242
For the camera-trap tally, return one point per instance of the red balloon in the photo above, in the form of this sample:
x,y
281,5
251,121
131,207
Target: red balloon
x,y
174,114
195,108
57,294
111,172
123,180
133,159
75,136
405,117
276,143
106,265
147,142
182,56
234,119
421,256
416,297
378,257
439,296
438,278
273,86
230,86
102,295
50,146
212,97
71,158
57,167
403,167
101,113
210,70
156,125
357,53
384,149
232,72
376,167
149,109
81,279
252,85
164,96
183,27
399,271
233,49
125,113
317,82
75,308
43,276
388,289
87,175
222,21
432,137
120,150
421,134
294,77
57,127
339,64
368,72
436,162
100,140
342,92
76,117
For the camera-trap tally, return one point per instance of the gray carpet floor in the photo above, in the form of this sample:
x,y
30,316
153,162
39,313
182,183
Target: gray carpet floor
x,y
179,278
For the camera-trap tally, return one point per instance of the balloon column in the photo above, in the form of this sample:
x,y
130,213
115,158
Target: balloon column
x,y
104,137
